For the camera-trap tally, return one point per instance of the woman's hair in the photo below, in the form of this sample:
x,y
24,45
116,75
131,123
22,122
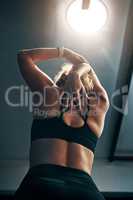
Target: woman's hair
x,y
87,82
60,77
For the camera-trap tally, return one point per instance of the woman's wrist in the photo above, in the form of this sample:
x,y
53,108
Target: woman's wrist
x,y
73,57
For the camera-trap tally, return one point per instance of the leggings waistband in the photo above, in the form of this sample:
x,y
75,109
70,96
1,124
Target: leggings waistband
x,y
58,171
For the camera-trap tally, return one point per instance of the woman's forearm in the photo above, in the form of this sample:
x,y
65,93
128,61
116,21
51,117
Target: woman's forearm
x,y
73,57
40,54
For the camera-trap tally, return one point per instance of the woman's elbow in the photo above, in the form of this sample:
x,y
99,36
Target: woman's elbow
x,y
22,56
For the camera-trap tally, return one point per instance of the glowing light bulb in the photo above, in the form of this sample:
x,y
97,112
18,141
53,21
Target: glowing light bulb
x,y
88,20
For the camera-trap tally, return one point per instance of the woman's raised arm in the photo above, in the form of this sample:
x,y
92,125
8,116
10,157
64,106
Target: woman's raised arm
x,y
35,78
40,54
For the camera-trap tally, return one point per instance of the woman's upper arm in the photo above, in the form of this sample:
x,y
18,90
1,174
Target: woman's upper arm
x,y
34,77
98,108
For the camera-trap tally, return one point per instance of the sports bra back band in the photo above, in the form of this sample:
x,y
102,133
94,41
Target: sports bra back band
x,y
55,127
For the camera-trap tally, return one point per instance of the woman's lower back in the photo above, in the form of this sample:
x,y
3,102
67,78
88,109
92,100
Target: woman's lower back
x,y
61,152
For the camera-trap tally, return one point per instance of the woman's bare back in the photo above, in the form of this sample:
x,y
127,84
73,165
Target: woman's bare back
x,y
59,151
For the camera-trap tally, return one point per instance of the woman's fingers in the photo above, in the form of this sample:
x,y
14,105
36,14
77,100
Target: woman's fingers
x,y
75,100
65,100
79,100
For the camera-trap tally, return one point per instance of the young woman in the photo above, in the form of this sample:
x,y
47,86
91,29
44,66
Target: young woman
x,y
64,138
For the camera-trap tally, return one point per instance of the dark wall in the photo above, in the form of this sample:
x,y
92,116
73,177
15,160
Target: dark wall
x,y
30,24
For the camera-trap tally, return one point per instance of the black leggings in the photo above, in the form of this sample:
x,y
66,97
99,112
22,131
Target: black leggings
x,y
48,181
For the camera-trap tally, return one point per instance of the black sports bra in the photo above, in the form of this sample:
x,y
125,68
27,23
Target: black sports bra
x,y
55,127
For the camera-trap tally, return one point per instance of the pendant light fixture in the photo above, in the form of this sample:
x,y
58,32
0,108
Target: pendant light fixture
x,y
86,16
